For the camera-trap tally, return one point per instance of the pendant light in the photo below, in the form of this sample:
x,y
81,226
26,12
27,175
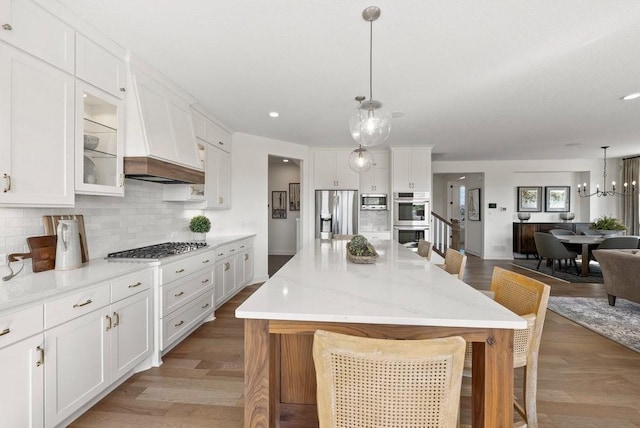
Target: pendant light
x,y
360,160
371,123
582,190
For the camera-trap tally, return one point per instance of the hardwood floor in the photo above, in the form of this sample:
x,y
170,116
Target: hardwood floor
x,y
584,379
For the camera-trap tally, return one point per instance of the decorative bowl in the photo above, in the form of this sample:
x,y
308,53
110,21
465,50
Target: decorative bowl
x,y
524,216
91,142
567,216
365,260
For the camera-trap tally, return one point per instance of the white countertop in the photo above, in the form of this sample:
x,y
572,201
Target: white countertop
x,y
33,288
401,288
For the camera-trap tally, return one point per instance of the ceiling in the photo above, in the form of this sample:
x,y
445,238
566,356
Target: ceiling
x,y
476,80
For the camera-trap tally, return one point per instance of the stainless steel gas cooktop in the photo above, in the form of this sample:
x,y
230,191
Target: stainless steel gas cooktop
x,y
156,252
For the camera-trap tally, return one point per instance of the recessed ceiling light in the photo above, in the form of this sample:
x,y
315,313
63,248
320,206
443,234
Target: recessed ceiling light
x,y
285,160
274,114
462,177
631,96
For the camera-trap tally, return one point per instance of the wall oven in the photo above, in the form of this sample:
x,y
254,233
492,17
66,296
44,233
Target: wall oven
x,y
410,235
373,201
411,209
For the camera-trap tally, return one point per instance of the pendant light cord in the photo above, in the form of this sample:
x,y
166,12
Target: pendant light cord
x,y
370,60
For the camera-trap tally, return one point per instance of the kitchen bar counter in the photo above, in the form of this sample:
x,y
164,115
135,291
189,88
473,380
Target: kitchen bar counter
x,y
32,288
400,296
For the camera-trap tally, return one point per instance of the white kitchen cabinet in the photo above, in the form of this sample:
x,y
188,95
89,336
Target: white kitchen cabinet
x,y
217,178
225,271
208,131
376,178
166,120
32,29
99,67
77,365
36,132
99,142
411,169
331,170
243,264
22,390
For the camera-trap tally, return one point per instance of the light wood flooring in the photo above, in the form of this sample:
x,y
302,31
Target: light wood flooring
x,y
584,379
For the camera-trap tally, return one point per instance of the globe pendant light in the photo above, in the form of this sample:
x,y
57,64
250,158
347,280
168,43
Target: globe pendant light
x,y
371,123
360,160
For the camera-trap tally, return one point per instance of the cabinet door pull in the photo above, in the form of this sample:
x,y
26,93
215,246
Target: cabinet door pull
x,y
220,254
232,250
246,257
5,331
137,284
179,324
180,271
7,27
40,361
123,89
241,246
178,294
227,266
7,180
205,306
221,143
110,323
206,261
205,281
79,305
116,317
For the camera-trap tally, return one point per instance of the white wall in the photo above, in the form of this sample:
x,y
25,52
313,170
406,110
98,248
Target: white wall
x,y
502,177
250,193
282,232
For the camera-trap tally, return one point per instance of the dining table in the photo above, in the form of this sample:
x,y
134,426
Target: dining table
x,y
587,243
400,296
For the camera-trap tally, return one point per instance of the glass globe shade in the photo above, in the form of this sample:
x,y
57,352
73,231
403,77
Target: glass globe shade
x,y
360,160
370,127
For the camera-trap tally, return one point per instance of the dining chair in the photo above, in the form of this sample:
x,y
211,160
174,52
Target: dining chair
x,y
342,237
454,263
619,243
425,248
365,382
560,232
549,247
528,298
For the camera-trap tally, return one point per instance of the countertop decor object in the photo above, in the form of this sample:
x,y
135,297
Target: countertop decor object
x,y
524,216
91,142
200,225
51,228
360,251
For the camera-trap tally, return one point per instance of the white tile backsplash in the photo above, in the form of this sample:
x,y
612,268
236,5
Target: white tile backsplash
x,y
374,221
111,223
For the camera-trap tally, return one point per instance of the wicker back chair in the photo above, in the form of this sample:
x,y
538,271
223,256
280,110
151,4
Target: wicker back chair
x,y
528,298
387,383
425,248
342,237
454,263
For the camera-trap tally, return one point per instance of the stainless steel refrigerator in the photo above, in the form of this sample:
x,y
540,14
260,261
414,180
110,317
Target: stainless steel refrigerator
x,y
336,213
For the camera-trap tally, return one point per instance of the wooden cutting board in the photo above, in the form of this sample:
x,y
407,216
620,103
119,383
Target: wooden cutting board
x,y
43,252
51,227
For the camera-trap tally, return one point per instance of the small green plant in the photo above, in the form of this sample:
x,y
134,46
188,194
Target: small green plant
x,y
607,223
360,246
200,224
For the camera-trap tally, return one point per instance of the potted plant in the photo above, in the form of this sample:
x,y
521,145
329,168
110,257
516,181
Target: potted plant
x,y
200,225
607,225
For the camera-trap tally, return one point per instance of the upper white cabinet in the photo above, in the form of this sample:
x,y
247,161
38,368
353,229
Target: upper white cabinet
x,y
331,170
97,66
208,131
376,178
27,26
217,178
166,123
411,169
99,142
36,132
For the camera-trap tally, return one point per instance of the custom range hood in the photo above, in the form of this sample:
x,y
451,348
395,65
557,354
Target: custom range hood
x,y
160,144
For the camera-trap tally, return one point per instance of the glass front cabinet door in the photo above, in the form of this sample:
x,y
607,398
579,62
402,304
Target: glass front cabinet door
x,y
99,142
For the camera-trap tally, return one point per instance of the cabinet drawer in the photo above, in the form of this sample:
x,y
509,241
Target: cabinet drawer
x,y
184,268
174,296
20,325
243,245
131,284
75,305
185,318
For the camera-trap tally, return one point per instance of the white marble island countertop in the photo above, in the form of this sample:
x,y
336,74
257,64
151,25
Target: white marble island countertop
x,y
401,288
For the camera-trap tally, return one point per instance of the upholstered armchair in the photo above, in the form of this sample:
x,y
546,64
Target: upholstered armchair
x,y
620,270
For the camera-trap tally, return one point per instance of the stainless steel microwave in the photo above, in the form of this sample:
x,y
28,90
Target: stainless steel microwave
x,y
373,201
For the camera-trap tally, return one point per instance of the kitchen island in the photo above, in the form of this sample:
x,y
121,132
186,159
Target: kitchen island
x,y
401,296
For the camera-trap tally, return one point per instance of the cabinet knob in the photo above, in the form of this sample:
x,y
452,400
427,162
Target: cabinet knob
x,y
7,27
123,89
221,143
7,180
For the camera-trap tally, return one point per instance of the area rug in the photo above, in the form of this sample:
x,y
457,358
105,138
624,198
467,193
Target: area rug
x,y
595,274
620,323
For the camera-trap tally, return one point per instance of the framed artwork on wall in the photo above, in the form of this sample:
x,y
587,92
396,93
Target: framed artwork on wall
x,y
474,205
294,196
278,204
529,199
557,199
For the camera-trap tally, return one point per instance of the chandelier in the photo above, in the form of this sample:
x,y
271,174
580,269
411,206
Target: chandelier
x,y
371,123
582,190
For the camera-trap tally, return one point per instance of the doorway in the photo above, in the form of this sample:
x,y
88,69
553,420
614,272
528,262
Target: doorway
x,y
456,205
284,204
